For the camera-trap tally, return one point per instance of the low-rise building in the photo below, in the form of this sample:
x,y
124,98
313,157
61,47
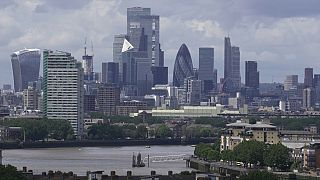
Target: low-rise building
x,y
242,131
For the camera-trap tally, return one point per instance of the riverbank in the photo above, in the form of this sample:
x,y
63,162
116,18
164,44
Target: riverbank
x,y
95,143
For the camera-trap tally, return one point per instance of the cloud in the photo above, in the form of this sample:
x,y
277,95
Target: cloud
x,y
281,35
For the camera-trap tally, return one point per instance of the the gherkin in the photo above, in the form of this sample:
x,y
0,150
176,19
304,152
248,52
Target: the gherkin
x,y
183,67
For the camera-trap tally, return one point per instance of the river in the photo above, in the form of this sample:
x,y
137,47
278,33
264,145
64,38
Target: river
x,y
81,160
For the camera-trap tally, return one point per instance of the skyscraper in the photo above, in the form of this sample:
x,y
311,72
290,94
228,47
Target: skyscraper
x,y
308,98
63,88
192,88
232,79
140,19
308,77
206,68
290,82
117,54
252,75
87,64
108,99
25,67
183,67
110,73
160,75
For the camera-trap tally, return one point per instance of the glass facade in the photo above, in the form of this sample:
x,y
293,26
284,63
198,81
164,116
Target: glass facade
x,y
183,67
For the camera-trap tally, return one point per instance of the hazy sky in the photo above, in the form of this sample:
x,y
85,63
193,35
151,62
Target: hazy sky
x,y
283,36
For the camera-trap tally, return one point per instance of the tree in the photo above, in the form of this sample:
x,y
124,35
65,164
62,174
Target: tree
x,y
213,155
163,131
228,155
141,132
250,152
9,172
261,175
277,156
205,132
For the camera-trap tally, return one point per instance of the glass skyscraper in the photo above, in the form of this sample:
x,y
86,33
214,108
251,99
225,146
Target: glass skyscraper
x,y
206,68
25,67
183,67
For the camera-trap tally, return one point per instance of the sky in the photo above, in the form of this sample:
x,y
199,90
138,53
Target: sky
x,y
282,36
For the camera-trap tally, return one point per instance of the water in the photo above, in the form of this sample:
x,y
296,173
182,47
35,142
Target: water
x,y
81,160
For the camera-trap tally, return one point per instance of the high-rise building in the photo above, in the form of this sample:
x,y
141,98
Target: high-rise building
x,y
30,99
192,88
290,82
140,19
87,64
108,99
316,85
252,76
63,88
232,78
308,77
25,67
117,54
160,75
110,73
206,68
183,67
308,98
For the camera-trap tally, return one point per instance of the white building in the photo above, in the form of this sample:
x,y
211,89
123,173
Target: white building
x,y
63,88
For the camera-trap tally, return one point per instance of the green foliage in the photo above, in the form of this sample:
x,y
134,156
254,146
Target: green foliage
x,y
295,123
142,132
105,132
108,131
126,119
261,175
9,172
250,152
207,151
39,129
277,156
227,155
215,122
163,131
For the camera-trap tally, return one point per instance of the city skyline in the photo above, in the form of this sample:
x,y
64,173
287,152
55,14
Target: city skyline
x,y
286,37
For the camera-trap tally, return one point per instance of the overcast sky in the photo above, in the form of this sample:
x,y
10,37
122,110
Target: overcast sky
x,y
283,36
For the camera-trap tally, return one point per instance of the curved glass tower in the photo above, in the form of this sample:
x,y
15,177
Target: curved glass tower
x,y
183,67
25,67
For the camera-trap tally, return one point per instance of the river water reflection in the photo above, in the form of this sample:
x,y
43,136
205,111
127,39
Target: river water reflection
x,y
81,160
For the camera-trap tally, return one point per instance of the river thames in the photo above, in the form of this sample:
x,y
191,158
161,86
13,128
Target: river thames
x,y
80,160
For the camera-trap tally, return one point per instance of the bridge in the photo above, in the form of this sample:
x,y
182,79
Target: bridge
x,y
167,158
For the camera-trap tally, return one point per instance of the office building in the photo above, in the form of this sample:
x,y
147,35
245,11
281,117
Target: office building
x,y
290,82
252,78
160,75
87,64
206,69
308,77
30,99
108,99
140,19
63,88
183,67
89,103
117,54
6,87
110,73
192,88
316,85
308,98
232,78
25,67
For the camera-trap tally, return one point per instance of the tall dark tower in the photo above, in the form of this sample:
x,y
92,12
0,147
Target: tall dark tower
x,y
308,77
252,77
232,79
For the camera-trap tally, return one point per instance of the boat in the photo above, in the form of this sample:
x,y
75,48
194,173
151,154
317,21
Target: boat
x,y
137,161
148,147
193,145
